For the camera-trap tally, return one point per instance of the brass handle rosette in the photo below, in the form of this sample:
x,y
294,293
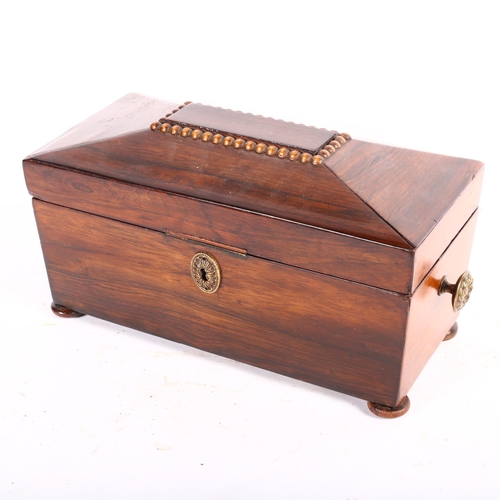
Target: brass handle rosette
x,y
460,291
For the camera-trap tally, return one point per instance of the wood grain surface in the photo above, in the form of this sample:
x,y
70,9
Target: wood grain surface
x,y
411,190
329,273
275,239
316,328
431,315
130,113
267,185
390,195
447,228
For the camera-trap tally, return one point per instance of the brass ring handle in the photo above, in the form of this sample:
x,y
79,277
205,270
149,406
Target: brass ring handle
x,y
460,291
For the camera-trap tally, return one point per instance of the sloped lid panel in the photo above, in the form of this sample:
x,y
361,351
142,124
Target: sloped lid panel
x,y
411,190
128,114
291,190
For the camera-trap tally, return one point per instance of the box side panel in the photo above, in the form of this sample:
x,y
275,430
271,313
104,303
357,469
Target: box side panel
x,y
438,240
431,315
271,238
312,327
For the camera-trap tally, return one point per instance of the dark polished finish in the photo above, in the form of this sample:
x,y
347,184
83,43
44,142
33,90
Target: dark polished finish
x,y
452,333
430,314
64,312
291,321
326,263
229,122
422,186
385,411
325,252
277,134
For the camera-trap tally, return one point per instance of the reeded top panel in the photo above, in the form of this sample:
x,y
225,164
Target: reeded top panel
x,y
250,126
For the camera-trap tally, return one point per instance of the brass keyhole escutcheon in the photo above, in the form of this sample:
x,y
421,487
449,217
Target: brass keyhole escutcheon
x,y
460,291
205,271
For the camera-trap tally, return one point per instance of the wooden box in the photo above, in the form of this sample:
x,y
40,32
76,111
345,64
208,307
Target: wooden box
x,y
298,250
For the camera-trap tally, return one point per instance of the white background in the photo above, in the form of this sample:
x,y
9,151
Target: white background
x,y
89,409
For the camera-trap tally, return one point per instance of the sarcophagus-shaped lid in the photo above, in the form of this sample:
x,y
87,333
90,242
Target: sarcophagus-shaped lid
x,y
311,176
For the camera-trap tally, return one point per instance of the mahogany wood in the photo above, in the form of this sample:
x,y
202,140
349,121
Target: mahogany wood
x,y
446,229
275,239
431,315
411,190
263,184
64,312
316,328
245,125
452,332
329,271
127,115
385,411
331,332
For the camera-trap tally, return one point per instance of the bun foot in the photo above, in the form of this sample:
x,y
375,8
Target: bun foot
x,y
64,312
385,411
453,331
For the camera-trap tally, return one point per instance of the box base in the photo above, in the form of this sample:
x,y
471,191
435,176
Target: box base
x,y
378,409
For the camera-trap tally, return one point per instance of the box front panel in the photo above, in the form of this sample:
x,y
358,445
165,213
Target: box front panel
x,y
327,331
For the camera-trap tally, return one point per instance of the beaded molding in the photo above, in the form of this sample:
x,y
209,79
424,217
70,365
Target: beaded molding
x,y
282,152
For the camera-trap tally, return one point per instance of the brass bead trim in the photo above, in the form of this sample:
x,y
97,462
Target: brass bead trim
x,y
162,124
276,150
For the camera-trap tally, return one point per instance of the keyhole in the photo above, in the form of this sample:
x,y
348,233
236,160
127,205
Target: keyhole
x,y
205,272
